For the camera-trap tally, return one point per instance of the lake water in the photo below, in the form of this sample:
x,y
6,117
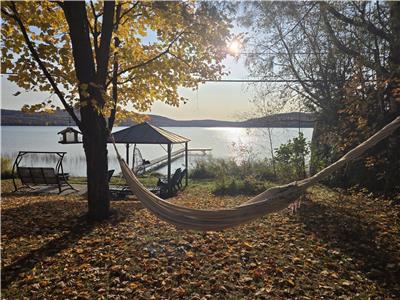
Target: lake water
x,y
236,143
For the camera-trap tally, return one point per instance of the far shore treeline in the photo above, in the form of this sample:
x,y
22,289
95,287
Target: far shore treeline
x,y
61,118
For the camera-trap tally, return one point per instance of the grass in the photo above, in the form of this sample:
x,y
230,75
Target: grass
x,y
148,180
338,245
6,168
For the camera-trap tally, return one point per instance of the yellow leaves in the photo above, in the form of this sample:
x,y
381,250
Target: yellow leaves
x,y
133,285
84,295
156,81
84,266
190,254
247,245
179,290
268,267
34,108
346,283
124,115
291,282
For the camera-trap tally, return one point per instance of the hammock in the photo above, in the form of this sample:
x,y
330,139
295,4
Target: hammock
x,y
272,200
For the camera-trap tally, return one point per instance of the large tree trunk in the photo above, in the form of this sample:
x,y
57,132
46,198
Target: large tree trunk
x,y
93,124
95,145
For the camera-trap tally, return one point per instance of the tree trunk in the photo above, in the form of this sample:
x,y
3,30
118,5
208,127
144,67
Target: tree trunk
x,y
95,145
93,124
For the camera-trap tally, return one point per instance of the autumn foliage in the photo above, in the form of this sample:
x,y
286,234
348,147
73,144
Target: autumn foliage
x,y
337,245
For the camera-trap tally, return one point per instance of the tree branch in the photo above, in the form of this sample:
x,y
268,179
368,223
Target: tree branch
x,y
128,11
102,57
111,119
142,64
7,13
294,71
345,49
131,78
35,55
181,59
364,23
93,30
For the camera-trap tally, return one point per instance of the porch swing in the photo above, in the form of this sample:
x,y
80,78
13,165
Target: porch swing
x,y
44,176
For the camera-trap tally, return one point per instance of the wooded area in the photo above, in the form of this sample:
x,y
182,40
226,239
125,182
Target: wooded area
x,y
345,57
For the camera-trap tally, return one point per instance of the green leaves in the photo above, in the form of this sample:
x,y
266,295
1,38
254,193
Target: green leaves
x,y
290,158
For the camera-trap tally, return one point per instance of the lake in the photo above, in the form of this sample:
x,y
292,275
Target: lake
x,y
226,142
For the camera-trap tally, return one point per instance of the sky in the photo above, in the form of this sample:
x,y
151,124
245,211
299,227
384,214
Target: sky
x,y
212,100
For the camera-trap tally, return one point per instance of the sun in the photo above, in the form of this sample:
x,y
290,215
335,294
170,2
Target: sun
x,y
234,47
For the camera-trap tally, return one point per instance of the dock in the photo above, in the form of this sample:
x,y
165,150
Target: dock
x,y
162,161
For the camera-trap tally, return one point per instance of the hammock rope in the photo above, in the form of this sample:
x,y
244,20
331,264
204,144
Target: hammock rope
x,y
269,201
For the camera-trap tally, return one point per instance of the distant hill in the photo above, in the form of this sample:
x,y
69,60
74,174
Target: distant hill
x,y
61,118
291,119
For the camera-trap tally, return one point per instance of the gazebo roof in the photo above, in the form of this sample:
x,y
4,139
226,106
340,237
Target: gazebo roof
x,y
146,133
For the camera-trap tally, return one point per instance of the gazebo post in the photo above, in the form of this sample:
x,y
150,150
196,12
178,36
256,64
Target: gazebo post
x,y
133,157
169,168
127,154
186,163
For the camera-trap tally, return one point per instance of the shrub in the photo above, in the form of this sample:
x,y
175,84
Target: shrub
x,y
253,186
6,168
290,159
232,187
202,170
217,168
263,170
233,178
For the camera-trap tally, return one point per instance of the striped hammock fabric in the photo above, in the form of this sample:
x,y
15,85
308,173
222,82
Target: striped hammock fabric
x,y
270,201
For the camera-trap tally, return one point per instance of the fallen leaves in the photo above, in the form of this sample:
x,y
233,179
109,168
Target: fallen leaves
x,y
329,249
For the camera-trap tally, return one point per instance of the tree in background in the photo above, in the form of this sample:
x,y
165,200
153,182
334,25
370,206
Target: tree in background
x,y
290,159
110,60
342,60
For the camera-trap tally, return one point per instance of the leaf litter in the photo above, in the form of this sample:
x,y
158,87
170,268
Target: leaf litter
x,y
338,245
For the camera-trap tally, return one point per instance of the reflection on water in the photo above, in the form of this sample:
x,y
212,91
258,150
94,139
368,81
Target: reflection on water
x,y
237,143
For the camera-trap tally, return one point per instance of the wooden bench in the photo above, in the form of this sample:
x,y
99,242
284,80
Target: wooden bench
x,y
43,176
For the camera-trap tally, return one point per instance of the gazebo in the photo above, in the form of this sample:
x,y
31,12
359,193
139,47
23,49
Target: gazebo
x,y
146,133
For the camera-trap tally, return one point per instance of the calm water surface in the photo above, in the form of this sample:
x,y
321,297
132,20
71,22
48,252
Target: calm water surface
x,y
229,142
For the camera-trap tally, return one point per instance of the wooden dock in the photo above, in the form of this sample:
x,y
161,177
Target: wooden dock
x,y
162,161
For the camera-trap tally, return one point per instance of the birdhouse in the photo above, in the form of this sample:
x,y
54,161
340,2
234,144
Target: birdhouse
x,y
70,136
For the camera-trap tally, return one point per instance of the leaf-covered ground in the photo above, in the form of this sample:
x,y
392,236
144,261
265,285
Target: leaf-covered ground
x,y
338,245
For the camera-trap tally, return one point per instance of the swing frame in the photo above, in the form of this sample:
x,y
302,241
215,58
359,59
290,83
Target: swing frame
x,y
40,175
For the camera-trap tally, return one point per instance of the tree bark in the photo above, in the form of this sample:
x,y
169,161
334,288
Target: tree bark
x,y
95,145
93,124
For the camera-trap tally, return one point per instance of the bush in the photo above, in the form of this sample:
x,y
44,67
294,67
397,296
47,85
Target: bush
x,y
248,186
202,170
290,159
246,178
6,168
218,168
263,170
